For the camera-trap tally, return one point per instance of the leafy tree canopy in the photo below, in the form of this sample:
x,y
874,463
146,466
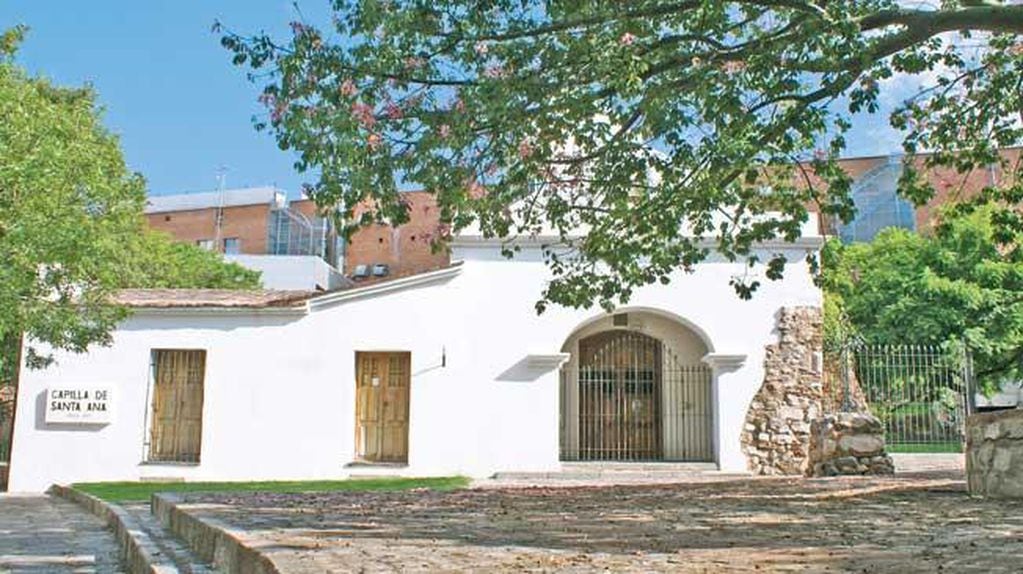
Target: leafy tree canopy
x,y
155,260
957,286
71,225
631,120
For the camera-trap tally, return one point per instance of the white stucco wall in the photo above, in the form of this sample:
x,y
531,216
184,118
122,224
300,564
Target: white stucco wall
x,y
292,272
279,390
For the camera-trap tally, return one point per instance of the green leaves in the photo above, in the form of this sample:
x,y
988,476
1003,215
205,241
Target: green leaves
x,y
67,205
71,225
952,288
643,124
155,260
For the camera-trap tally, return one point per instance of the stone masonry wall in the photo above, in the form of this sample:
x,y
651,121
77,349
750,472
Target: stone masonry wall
x,y
994,454
848,443
776,435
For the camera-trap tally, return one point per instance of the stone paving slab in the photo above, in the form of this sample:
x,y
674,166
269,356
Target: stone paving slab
x,y
170,550
922,522
46,534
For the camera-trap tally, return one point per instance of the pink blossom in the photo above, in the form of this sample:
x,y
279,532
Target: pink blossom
x,y
297,28
627,39
414,63
491,170
459,105
733,66
364,114
348,88
443,231
820,154
277,112
445,131
393,111
495,71
267,99
476,190
373,141
481,48
525,149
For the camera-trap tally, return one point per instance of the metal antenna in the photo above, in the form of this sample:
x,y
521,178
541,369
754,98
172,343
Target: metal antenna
x,y
218,222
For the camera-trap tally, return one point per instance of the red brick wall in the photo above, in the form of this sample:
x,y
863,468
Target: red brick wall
x,y
406,249
951,186
948,185
246,222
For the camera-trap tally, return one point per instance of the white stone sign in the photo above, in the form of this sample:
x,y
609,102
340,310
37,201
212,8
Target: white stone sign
x,y
78,404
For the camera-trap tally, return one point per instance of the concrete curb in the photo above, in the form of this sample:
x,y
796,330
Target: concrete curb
x,y
210,539
138,551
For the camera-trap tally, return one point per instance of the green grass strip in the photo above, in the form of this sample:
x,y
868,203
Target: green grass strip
x,y
141,491
907,447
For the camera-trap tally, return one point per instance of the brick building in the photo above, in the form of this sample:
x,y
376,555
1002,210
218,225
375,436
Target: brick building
x,y
874,191
262,221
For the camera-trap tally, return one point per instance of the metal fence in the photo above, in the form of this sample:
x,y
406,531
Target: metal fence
x,y
922,393
631,399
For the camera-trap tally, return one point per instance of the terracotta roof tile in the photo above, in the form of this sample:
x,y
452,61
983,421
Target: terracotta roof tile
x,y
165,298
254,299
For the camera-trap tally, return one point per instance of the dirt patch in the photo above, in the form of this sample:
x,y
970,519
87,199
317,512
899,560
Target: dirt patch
x,y
914,523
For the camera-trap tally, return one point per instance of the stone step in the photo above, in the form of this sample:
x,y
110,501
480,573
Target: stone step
x,y
605,467
616,471
173,549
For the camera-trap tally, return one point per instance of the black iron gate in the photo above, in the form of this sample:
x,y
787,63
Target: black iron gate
x,y
922,393
635,401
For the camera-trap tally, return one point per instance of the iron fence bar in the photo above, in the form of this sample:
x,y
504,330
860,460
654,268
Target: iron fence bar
x,y
921,392
634,400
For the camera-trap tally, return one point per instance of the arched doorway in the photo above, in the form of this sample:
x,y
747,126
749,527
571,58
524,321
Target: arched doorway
x,y
635,390
619,396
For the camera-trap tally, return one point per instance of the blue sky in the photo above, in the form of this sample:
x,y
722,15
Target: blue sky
x,y
168,88
170,92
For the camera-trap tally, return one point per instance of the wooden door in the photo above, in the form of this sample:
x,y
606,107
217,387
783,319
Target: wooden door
x,y
382,406
175,434
620,397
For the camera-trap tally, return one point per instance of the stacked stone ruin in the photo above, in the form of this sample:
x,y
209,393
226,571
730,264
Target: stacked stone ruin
x,y
848,444
786,431
777,428
994,454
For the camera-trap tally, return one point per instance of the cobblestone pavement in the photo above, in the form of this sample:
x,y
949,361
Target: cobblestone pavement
x,y
910,523
45,534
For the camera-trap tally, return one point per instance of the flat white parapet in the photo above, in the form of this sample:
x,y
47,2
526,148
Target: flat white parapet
x,y
291,272
810,237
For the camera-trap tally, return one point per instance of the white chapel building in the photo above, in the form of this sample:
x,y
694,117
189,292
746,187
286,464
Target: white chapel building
x,y
449,371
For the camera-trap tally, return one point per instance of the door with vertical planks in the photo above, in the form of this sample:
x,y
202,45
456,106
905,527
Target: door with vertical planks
x,y
382,406
175,433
